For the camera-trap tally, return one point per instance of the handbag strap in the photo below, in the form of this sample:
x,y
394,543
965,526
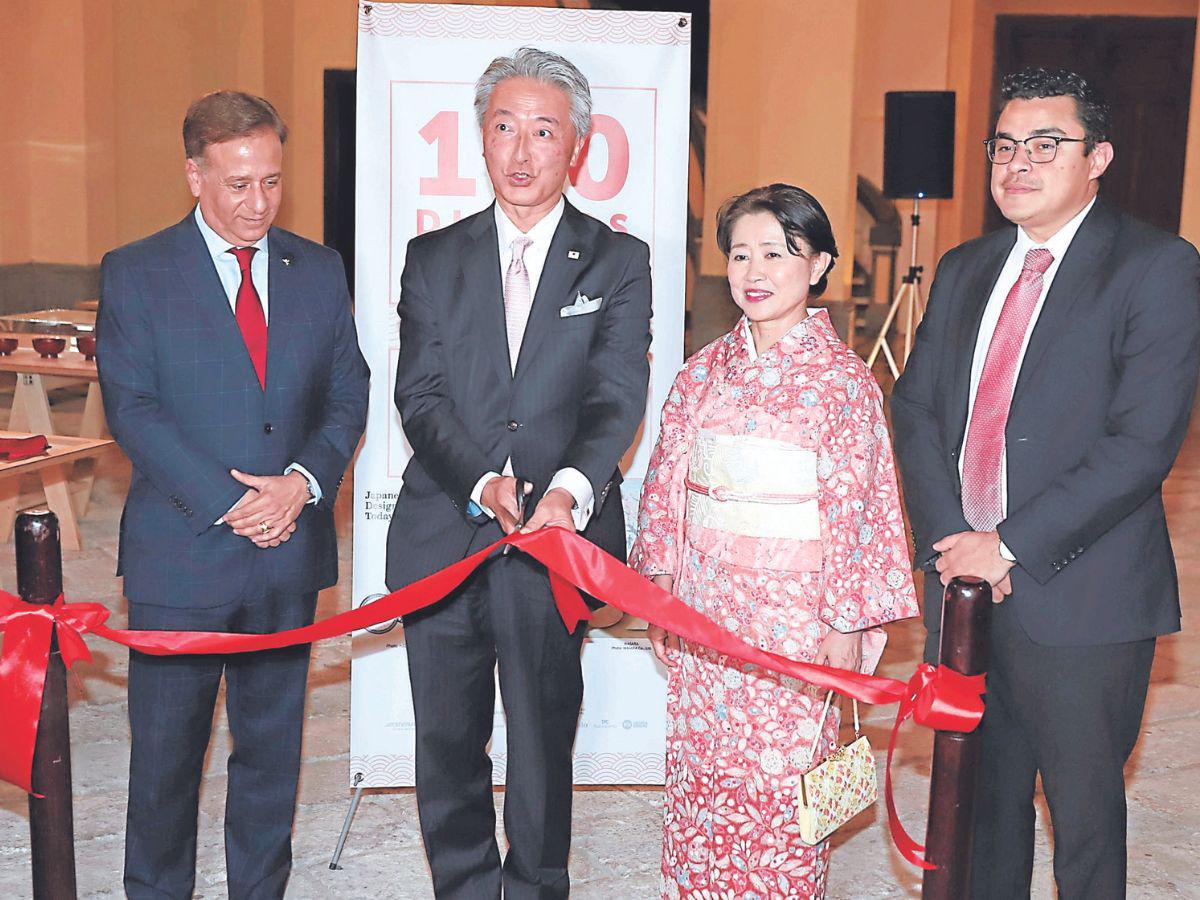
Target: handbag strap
x,y
812,753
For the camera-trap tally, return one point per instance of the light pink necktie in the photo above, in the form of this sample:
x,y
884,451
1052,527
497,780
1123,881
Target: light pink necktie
x,y
518,299
983,458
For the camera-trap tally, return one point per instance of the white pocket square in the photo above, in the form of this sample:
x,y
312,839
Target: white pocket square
x,y
581,307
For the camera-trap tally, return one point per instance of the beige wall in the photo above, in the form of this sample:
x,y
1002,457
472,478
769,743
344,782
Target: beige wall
x,y
780,108
1189,218
972,51
90,149
90,142
16,73
90,152
756,135
43,170
901,47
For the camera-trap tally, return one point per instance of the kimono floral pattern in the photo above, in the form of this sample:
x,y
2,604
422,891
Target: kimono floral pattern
x,y
738,738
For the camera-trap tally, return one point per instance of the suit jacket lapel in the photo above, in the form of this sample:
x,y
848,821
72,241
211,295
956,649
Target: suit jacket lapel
x,y
284,286
975,294
1078,268
481,280
200,275
558,276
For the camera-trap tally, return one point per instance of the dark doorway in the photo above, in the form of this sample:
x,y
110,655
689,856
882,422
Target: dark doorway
x,y
339,165
1143,67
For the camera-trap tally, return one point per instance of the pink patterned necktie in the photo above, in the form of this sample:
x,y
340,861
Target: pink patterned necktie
x,y
983,458
518,299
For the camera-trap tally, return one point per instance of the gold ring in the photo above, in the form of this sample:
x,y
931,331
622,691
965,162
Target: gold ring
x,y
263,527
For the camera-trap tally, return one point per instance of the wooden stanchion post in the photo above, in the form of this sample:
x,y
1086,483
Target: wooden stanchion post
x,y
966,615
51,821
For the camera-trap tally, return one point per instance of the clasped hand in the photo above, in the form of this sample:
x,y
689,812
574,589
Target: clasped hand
x,y
975,553
266,514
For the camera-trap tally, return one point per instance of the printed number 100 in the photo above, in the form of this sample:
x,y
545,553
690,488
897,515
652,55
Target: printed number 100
x,y
442,131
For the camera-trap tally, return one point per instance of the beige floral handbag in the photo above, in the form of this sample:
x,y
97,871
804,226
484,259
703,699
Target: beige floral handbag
x,y
839,787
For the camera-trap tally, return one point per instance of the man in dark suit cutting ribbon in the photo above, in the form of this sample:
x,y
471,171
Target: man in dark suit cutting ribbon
x,y
232,379
524,332
1044,403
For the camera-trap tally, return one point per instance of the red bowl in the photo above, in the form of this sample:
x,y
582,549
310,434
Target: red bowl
x,y
87,346
49,347
7,346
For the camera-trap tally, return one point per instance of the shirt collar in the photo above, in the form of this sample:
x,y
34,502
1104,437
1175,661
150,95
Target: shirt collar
x,y
540,233
218,247
1060,241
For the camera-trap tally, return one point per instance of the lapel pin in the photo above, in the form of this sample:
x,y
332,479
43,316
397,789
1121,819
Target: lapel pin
x,y
572,254
286,259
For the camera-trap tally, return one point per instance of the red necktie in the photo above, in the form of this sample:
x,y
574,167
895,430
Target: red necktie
x,y
983,458
249,314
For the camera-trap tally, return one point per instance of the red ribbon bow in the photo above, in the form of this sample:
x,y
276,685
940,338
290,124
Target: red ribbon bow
x,y
940,699
936,698
28,628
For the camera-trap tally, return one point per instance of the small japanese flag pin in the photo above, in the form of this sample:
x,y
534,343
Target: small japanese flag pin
x,y
572,254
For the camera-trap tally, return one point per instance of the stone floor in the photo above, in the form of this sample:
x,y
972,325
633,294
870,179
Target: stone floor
x,y
617,831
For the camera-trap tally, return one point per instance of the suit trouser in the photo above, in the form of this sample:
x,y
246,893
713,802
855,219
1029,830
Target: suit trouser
x,y
171,704
503,617
1073,714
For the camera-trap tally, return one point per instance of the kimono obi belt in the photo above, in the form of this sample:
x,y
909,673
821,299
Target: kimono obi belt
x,y
753,502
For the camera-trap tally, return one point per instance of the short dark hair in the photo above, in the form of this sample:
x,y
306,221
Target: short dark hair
x,y
225,115
1037,83
805,226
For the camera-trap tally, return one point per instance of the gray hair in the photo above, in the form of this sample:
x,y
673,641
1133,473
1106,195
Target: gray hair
x,y
543,66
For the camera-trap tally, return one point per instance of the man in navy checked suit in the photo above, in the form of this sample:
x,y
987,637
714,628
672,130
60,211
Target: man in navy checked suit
x,y
232,379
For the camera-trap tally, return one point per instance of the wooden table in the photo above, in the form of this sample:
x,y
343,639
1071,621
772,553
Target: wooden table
x,y
55,468
36,377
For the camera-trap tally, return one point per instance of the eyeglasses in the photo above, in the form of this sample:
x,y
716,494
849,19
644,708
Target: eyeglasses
x,y
1041,148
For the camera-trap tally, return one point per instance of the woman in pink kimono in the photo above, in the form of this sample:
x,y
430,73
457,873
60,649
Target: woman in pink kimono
x,y
771,507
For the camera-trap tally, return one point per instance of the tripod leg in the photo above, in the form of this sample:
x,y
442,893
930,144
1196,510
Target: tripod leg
x,y
909,320
881,340
891,360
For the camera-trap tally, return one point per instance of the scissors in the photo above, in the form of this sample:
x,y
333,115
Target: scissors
x,y
520,489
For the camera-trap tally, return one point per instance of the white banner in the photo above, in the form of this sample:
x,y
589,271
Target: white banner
x,y
420,167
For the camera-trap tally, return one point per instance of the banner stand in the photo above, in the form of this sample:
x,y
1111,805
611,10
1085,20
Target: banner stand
x,y
419,167
341,841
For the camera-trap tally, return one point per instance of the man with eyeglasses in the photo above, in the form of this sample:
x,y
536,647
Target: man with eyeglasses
x,y
1044,403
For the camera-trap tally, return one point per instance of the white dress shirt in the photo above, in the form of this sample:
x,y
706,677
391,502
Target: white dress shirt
x,y
1058,246
230,273
228,269
540,235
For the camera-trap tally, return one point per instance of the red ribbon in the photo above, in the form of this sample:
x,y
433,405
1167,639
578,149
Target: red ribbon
x,y
935,698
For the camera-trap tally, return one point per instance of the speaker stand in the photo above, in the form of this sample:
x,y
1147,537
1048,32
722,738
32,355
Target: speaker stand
x,y
908,298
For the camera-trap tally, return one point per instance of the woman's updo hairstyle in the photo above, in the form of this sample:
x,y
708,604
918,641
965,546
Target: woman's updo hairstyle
x,y
805,225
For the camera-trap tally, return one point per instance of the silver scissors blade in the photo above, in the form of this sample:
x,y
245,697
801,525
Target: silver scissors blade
x,y
520,490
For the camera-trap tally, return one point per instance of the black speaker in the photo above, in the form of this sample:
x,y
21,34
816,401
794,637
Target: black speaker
x,y
918,144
